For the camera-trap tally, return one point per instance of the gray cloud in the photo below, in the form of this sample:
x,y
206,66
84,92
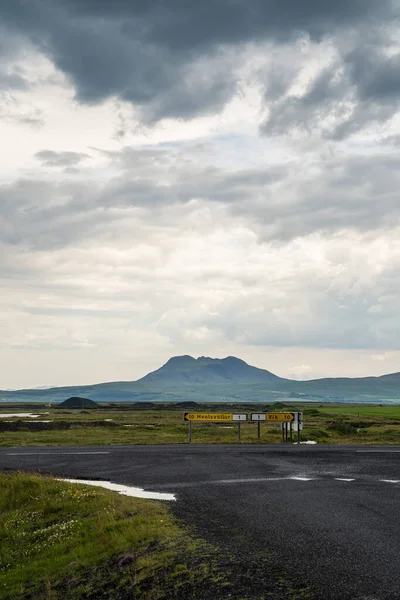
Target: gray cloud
x,y
50,158
10,47
12,81
173,59
178,250
278,203
360,87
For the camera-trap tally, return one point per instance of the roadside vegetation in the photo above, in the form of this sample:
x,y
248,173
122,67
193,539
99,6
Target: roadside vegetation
x,y
59,540
63,541
122,424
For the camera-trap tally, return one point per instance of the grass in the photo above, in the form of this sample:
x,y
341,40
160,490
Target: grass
x,y
62,541
59,540
350,424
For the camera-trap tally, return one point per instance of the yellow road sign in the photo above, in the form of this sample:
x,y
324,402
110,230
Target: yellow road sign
x,y
285,417
216,417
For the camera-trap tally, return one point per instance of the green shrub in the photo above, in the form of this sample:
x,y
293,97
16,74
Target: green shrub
x,y
342,427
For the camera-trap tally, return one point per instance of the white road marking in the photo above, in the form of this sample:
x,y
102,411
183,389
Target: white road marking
x,y
250,480
181,484
301,478
390,480
125,490
51,453
343,479
378,451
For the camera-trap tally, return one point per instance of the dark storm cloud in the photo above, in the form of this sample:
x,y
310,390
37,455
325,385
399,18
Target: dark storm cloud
x,y
360,87
376,75
165,57
50,158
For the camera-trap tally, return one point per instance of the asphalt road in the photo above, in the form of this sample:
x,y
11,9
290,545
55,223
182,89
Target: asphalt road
x,y
329,514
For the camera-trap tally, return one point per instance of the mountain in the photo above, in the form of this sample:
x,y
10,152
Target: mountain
x,y
205,379
205,370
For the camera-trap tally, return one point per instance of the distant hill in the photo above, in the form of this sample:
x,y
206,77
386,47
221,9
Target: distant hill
x,y
186,369
76,402
190,380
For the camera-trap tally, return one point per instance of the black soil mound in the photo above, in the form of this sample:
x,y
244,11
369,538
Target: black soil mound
x,y
76,402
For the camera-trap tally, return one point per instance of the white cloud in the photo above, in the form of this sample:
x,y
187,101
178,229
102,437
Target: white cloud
x,y
300,372
124,243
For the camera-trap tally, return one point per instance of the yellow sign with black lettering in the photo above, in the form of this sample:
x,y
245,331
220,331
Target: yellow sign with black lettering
x,y
215,417
280,417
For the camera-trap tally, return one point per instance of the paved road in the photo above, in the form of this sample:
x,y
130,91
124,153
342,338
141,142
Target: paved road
x,y
329,514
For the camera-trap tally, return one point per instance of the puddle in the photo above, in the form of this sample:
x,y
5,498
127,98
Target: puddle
x,y
29,421
125,490
308,442
23,415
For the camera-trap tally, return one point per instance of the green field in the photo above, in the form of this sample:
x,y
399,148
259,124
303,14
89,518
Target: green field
x,y
367,424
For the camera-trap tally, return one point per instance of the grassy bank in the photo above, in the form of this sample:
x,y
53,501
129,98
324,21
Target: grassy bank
x,y
73,542
59,540
327,423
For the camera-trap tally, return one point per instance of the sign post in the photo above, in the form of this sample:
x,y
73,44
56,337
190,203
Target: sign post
x,y
214,418
290,421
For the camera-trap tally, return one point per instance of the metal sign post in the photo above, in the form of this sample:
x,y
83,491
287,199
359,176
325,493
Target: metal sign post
x,y
214,418
290,422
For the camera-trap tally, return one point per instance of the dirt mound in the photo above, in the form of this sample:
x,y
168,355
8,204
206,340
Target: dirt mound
x,y
76,402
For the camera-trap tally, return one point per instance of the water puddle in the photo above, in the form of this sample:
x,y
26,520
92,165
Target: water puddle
x,y
125,490
22,415
308,442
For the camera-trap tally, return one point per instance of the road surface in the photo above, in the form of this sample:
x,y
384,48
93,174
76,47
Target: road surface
x,y
329,514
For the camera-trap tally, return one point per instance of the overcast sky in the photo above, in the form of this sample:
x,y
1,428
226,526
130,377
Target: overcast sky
x,y
214,177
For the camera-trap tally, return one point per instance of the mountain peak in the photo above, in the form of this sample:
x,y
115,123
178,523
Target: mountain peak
x,y
181,370
233,360
180,361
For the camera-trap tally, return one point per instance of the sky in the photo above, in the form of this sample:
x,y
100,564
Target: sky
x,y
207,178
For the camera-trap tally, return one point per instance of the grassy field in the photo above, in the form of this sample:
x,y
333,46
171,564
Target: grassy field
x,y
59,540
63,541
371,424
